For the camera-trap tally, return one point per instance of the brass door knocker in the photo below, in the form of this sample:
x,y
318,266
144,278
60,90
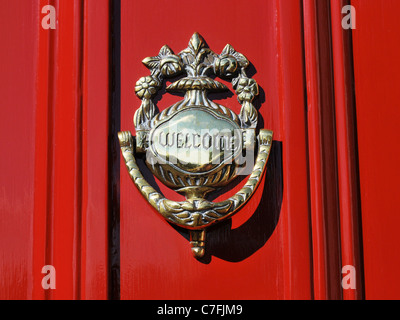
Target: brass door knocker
x,y
196,146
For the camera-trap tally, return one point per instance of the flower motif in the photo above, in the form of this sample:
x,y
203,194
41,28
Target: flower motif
x,y
225,66
170,65
166,62
229,61
246,89
146,87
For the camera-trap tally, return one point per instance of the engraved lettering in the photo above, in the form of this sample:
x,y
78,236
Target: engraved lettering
x,y
207,141
196,145
171,141
179,140
187,137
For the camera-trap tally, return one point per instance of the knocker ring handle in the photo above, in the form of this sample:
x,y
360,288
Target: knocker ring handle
x,y
196,214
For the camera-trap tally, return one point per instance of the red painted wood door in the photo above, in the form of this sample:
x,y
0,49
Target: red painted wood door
x,y
329,197
54,135
377,79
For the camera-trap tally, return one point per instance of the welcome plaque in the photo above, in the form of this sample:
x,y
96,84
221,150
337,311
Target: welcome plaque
x,y
196,146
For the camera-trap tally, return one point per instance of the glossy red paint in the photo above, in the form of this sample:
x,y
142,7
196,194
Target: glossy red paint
x,y
255,259
66,144
311,52
322,151
295,237
17,136
377,82
58,82
42,152
350,224
95,130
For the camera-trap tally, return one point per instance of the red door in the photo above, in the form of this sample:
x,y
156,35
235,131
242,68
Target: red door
x,y
320,226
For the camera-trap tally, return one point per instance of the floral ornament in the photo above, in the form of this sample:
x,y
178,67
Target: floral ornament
x,y
197,58
195,61
146,87
171,66
144,114
246,89
229,62
248,115
166,63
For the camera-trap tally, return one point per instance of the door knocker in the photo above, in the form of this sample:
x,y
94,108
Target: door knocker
x,y
196,146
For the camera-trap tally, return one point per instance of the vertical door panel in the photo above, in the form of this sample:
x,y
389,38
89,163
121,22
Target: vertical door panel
x,y
54,135
322,150
94,253
377,82
19,38
347,156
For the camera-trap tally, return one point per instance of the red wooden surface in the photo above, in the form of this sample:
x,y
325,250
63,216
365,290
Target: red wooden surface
x,y
252,259
17,132
95,125
64,211
377,81
55,123
322,151
350,224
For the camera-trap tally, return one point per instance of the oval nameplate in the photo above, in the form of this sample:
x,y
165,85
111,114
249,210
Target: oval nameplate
x,y
196,140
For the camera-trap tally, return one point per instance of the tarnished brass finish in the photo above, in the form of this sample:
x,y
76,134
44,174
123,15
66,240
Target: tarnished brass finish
x,y
196,146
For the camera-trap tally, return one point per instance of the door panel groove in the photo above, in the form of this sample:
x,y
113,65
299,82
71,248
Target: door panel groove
x,y
114,151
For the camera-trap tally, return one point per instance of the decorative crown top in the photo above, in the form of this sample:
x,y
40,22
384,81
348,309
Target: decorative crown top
x,y
197,60
200,64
